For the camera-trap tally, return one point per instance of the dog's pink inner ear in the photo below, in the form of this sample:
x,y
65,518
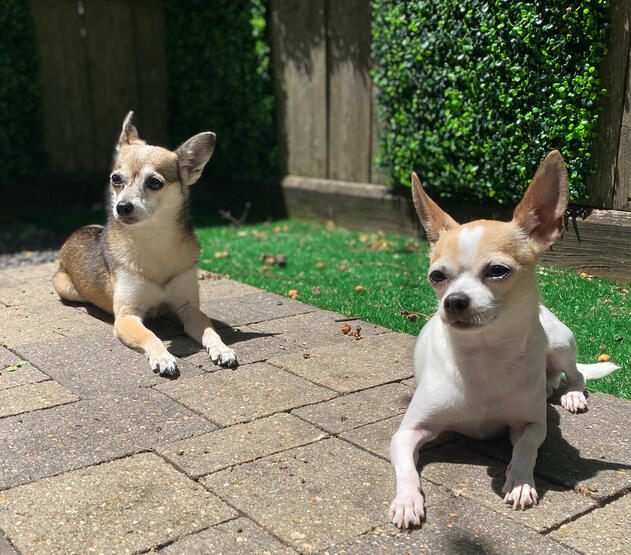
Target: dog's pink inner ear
x,y
433,218
193,155
540,213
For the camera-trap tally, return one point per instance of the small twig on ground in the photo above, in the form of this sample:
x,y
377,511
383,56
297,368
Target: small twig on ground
x,y
236,222
345,319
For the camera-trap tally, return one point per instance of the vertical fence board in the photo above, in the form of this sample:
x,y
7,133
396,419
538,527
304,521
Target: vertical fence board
x,y
299,58
350,90
622,184
150,50
112,68
613,78
69,136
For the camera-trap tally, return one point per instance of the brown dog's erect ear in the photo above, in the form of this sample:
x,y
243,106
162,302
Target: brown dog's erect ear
x,y
129,134
193,155
540,213
434,219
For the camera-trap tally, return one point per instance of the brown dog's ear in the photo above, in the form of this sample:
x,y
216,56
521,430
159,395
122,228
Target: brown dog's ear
x,y
129,134
193,155
540,213
434,219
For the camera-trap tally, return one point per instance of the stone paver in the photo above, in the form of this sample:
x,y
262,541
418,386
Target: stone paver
x,y
43,443
33,396
35,292
316,328
248,309
251,391
241,536
355,365
468,474
22,375
249,344
122,506
15,277
211,289
21,325
605,530
238,444
454,526
356,409
313,496
96,365
291,447
588,452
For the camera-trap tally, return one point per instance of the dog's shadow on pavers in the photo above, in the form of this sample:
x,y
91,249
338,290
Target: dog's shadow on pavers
x,y
560,466
168,328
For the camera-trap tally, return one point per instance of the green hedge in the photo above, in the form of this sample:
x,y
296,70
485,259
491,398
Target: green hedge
x,y
219,80
21,127
474,93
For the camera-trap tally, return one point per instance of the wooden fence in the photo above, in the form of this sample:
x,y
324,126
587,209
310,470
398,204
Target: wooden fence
x,y
326,110
98,58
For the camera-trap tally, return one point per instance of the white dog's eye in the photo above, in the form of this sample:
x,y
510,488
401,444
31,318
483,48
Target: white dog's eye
x,y
437,276
116,180
497,271
154,183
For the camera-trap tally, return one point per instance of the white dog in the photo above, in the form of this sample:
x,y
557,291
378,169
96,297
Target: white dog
x,y
492,354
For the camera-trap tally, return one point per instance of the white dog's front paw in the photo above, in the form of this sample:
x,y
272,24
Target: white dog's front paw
x,y
574,401
222,355
408,510
163,364
520,493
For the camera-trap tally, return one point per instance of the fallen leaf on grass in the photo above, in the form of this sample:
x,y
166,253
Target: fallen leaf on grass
x,y
359,288
293,293
316,291
604,357
330,225
278,259
222,254
320,265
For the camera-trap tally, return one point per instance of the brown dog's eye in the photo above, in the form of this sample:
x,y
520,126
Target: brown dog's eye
x,y
436,276
116,180
154,183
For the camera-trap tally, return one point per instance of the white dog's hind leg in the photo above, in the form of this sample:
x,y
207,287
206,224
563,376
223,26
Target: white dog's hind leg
x,y
564,360
408,508
520,482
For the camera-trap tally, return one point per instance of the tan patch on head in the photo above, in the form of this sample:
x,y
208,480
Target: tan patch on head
x,y
136,158
497,237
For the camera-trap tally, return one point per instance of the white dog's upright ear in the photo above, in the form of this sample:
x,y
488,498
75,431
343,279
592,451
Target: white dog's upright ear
x,y
129,134
434,219
193,155
540,213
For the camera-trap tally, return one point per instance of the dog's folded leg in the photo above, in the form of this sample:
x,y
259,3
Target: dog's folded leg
x,y
408,508
199,327
132,332
520,482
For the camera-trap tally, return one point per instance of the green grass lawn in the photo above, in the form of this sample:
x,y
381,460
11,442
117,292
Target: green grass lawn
x,y
328,266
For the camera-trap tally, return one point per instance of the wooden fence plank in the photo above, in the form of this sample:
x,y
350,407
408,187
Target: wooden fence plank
x,y
69,134
613,78
622,183
112,70
350,90
299,60
150,50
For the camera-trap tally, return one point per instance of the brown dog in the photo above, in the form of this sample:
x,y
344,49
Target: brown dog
x,y
146,257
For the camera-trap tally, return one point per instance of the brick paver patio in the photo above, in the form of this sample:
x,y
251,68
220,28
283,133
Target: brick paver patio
x,y
287,453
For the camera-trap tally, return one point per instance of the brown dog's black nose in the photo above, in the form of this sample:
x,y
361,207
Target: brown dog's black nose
x,y
456,303
124,208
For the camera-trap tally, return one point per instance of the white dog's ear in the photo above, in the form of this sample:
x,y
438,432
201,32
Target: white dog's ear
x,y
193,155
540,213
129,134
434,219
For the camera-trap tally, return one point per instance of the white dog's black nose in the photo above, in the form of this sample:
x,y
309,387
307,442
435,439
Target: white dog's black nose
x,y
124,208
456,303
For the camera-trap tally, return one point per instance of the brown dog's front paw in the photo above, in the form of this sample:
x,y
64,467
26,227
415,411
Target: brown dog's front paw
x,y
223,356
164,364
